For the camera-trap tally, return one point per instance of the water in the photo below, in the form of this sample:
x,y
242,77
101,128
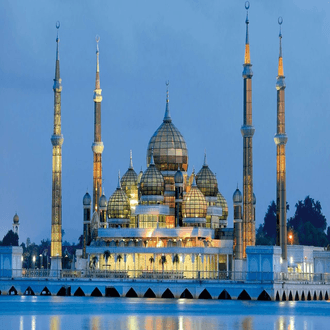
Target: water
x,y
19,312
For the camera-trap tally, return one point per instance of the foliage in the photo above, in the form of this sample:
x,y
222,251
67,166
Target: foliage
x,y
10,239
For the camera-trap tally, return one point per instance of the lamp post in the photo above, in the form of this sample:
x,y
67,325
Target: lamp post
x,y
33,261
290,238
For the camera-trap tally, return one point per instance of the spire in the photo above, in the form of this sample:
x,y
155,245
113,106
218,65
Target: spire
x,y
280,59
194,181
152,162
205,162
57,81
98,90
118,185
167,116
247,45
130,160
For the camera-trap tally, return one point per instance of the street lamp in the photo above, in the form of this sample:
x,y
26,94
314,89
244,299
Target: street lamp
x,y
290,238
33,261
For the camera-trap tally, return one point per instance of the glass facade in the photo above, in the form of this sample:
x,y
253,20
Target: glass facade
x,y
151,221
118,205
194,204
207,182
152,182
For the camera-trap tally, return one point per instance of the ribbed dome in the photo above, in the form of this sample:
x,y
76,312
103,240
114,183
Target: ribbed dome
x,y
87,199
237,197
178,177
130,179
168,145
206,181
16,218
118,205
221,201
103,201
194,204
152,181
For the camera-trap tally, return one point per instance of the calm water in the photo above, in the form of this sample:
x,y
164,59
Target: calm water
x,y
133,313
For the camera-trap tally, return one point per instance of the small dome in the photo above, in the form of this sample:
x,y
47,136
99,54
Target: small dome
x,y
237,197
254,199
194,204
168,145
152,181
87,199
207,181
103,201
129,180
16,218
178,176
118,205
221,201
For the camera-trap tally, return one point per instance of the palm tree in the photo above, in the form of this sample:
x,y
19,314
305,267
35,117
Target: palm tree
x,y
151,260
176,260
95,259
119,258
106,255
162,261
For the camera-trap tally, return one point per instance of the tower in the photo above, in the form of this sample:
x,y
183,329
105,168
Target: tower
x,y
178,179
280,141
247,131
57,141
237,200
97,146
16,224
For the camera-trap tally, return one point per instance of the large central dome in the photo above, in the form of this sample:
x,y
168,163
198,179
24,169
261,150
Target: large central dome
x,y
168,145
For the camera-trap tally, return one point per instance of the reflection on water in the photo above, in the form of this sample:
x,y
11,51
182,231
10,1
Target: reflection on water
x,y
56,313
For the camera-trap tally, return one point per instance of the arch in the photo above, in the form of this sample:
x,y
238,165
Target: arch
x,y
326,297
244,296
320,296
45,292
296,297
264,296
186,294
290,296
79,293
224,295
131,293
64,291
205,295
167,294
111,292
309,296
277,296
96,293
314,296
0,292
284,296
303,296
29,292
149,294
12,291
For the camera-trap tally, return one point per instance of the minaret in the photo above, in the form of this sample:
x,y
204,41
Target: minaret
x,y
280,141
87,201
237,201
97,146
247,131
16,224
57,141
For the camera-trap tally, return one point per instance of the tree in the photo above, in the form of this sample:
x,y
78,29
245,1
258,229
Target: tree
x,y
10,239
106,255
163,261
309,222
176,260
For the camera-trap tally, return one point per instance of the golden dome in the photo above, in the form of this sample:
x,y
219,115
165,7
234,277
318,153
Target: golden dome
x,y
168,145
152,181
129,180
206,181
194,204
221,201
118,205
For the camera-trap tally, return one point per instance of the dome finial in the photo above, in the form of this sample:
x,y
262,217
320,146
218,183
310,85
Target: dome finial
x,y
130,160
167,117
57,81
97,79
118,185
58,24
152,162
205,162
280,59
247,44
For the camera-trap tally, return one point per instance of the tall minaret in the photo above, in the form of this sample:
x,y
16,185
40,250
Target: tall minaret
x,y
57,141
247,131
97,146
280,141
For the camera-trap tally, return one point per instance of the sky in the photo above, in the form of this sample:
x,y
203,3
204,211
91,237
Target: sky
x,y
199,47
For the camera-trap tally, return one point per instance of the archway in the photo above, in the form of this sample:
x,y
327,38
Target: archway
x,y
320,296
12,291
296,298
303,296
111,292
277,296
131,293
79,293
167,294
309,296
314,296
224,295
149,294
284,296
264,296
96,293
244,296
290,296
45,292
205,295
186,294
64,291
29,292
326,297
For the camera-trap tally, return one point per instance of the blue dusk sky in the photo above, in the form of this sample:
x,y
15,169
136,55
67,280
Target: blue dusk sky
x,y
199,47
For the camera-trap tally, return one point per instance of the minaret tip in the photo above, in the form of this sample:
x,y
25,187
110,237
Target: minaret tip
x,y
58,24
205,161
167,116
118,185
152,162
247,59
280,58
130,160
